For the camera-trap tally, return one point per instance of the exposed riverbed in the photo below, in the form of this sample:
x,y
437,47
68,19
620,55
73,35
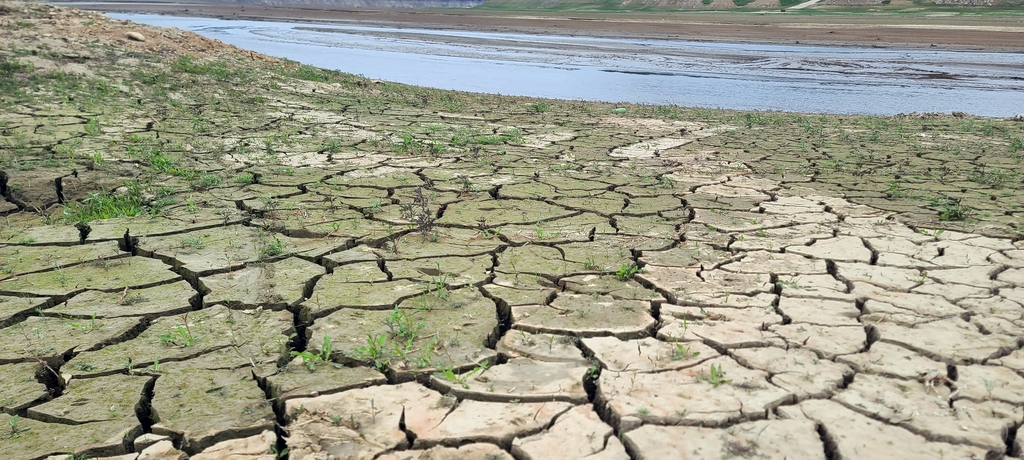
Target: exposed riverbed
x,y
734,76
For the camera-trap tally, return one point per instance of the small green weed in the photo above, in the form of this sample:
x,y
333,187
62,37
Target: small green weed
x,y
195,242
539,107
283,453
92,325
92,128
402,325
97,206
269,244
313,360
451,376
208,180
683,352
418,212
951,209
627,272
716,377
16,429
894,190
996,177
332,145
181,336
1016,144
374,351
246,178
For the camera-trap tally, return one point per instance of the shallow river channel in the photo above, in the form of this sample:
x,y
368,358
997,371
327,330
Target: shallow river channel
x,y
733,76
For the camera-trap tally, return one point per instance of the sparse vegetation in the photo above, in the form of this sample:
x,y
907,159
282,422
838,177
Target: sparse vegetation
x,y
715,376
951,209
180,336
683,352
104,205
311,360
540,107
627,271
418,212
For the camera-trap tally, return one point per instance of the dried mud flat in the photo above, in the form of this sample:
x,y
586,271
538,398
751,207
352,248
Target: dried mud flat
x,y
211,253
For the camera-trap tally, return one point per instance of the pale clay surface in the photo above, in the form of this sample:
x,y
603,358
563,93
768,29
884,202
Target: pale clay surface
x,y
838,354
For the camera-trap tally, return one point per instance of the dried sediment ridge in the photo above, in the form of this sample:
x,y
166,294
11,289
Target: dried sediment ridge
x,y
337,266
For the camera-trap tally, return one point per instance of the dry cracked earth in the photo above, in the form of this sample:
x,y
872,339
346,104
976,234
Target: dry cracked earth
x,y
392,281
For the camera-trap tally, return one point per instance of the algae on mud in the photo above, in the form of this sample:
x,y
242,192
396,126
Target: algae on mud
x,y
243,259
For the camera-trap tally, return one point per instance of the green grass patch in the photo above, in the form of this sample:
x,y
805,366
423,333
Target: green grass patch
x,y
310,73
539,107
104,205
217,70
246,178
1016,144
463,138
12,74
152,151
951,209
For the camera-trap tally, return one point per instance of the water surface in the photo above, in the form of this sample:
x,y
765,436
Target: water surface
x,y
734,76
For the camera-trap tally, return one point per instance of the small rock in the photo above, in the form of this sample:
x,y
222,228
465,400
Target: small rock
x,y
252,448
163,450
135,36
143,442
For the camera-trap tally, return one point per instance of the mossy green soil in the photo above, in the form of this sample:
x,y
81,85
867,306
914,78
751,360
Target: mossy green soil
x,y
191,234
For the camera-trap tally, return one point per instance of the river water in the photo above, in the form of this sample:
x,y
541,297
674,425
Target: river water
x,y
733,76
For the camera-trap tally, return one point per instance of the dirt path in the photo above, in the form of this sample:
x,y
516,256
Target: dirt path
x,y
204,251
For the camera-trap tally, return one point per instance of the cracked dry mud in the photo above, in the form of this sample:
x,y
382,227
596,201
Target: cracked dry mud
x,y
414,274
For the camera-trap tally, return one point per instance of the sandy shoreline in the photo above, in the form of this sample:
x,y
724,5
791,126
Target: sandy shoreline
x,y
988,33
